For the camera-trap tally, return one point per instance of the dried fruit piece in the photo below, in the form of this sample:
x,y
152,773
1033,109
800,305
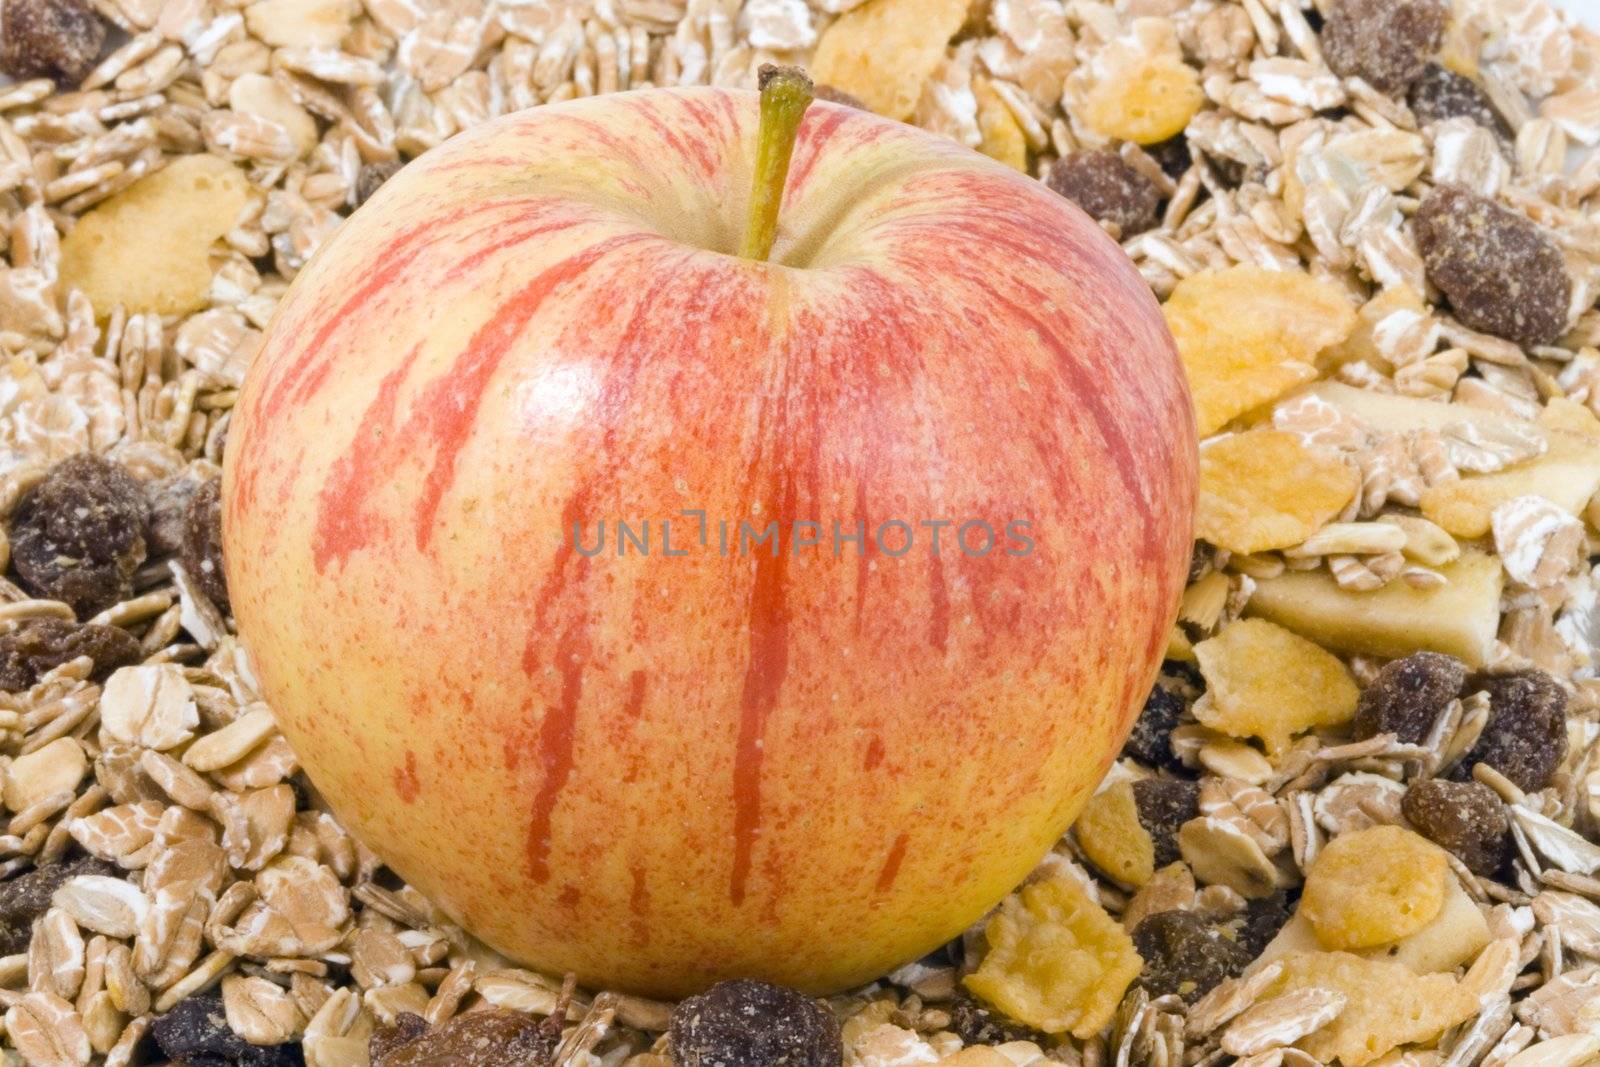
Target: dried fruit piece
x,y
1371,887
1386,1004
1407,696
1185,955
78,535
169,508
1502,274
496,1037
753,1024
1056,960
1263,681
202,543
49,38
1386,42
40,645
148,247
1142,90
978,1025
1107,189
1525,738
1266,489
1247,336
1568,475
1466,818
27,896
195,1033
1111,836
1164,805
884,50
1151,739
372,176
1440,93
1262,919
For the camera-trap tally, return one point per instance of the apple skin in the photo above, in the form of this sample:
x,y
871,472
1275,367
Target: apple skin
x,y
661,772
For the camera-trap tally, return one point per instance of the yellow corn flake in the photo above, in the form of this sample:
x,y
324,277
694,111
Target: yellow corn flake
x,y
1110,834
148,248
1263,681
883,51
1056,962
1002,134
1267,489
1248,336
1375,886
1142,90
1386,1005
1179,647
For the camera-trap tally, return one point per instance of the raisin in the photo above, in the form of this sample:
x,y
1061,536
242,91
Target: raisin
x,y
1501,273
202,543
78,535
1407,695
169,511
824,91
1172,155
978,1025
371,176
1185,955
1385,42
1263,917
1107,189
1440,93
26,897
1151,739
1164,805
195,1033
1525,738
40,645
49,38
1466,818
492,1038
746,1023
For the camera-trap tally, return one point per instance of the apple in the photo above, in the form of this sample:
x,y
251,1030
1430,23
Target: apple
x,y
806,758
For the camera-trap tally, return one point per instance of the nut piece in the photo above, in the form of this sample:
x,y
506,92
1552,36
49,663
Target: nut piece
x,y
1372,887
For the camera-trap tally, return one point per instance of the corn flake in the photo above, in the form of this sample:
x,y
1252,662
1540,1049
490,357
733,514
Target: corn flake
x,y
1142,89
1056,962
1111,836
1263,681
1266,489
1371,887
883,51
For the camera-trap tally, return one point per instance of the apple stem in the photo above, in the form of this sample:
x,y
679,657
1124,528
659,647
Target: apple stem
x,y
785,94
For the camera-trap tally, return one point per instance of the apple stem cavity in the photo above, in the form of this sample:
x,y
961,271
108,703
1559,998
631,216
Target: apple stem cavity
x,y
786,92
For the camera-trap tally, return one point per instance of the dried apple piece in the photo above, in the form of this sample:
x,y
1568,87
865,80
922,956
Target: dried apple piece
x,y
1375,886
1056,960
1265,489
1568,475
883,51
1263,681
1247,336
1112,837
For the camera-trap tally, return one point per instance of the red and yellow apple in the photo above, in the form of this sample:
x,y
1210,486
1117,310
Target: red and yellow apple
x,y
659,770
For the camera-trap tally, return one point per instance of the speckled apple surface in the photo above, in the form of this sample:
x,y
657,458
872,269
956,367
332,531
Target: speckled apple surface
x,y
658,772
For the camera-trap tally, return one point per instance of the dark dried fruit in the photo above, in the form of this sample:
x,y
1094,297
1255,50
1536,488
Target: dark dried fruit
x,y
492,1038
1525,738
1151,739
49,38
40,645
978,1025
27,896
824,91
746,1023
386,1039
1107,189
371,176
1262,919
195,1033
1407,696
1164,805
202,543
78,536
1172,154
169,512
1186,955
1385,42
1502,274
1440,93
1466,818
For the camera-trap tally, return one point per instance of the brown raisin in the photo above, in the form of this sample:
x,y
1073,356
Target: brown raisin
x,y
1525,738
371,177
745,1023
27,896
1107,189
976,1024
169,511
495,1037
49,38
1384,42
1407,696
78,535
824,91
408,1026
1260,922
195,1033
1440,93
202,543
1164,805
1151,739
1503,276
39,646
1172,155
1185,955
1466,818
